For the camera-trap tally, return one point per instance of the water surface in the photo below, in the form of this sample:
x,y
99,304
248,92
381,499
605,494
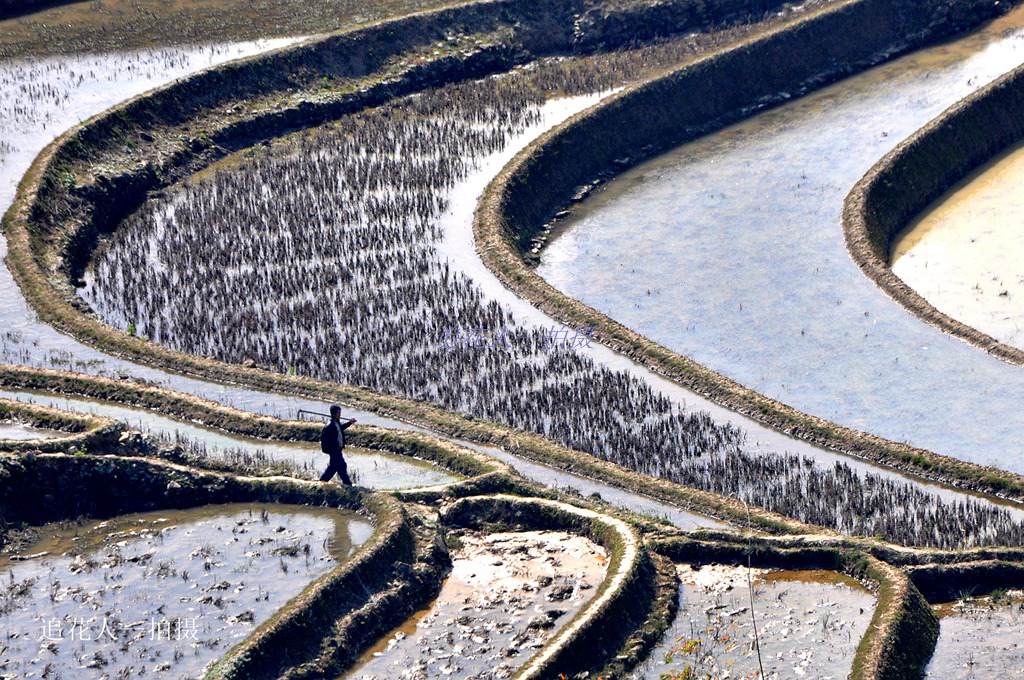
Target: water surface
x,y
730,250
980,639
14,430
964,253
809,624
507,594
162,593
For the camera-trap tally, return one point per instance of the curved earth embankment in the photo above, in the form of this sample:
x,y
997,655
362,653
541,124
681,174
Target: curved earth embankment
x,y
920,170
683,105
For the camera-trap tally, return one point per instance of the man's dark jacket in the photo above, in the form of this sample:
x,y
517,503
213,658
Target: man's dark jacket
x,y
332,437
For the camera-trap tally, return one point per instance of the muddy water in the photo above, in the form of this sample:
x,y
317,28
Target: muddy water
x,y
371,469
964,253
161,594
980,638
506,595
809,624
11,429
730,250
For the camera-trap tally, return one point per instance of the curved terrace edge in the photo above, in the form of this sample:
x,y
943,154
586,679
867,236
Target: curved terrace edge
x,y
682,105
918,171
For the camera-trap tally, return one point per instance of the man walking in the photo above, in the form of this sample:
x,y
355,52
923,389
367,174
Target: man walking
x,y
332,442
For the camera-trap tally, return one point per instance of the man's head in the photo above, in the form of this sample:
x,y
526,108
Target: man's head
x,y
335,412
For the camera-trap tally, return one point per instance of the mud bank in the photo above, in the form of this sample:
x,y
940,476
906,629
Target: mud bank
x,y
191,443
809,622
901,635
228,120
618,615
478,469
506,595
961,253
978,638
916,173
180,160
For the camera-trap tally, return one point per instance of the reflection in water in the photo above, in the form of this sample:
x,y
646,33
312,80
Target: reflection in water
x,y
809,624
27,341
980,639
964,254
730,250
161,592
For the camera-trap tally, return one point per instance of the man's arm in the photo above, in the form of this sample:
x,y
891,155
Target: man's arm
x,y
347,424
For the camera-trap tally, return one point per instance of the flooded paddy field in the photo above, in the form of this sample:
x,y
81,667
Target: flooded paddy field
x,y
963,254
371,469
362,259
160,594
94,82
507,594
809,624
12,429
980,638
730,250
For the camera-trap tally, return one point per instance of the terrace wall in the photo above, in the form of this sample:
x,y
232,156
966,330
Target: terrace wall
x,y
903,631
391,575
56,217
920,170
698,98
83,433
617,609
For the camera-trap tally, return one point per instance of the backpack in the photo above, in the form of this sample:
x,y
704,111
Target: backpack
x,y
323,440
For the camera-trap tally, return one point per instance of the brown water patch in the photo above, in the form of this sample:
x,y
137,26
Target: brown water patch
x,y
809,623
964,253
980,638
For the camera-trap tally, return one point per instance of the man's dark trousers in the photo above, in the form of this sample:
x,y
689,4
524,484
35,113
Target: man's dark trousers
x,y
339,467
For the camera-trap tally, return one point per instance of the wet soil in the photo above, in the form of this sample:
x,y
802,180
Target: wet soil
x,y
506,595
101,25
964,253
980,638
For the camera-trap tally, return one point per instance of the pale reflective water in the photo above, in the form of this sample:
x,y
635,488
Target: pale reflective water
x,y
13,430
161,593
965,253
100,81
809,624
29,342
980,639
730,250
507,594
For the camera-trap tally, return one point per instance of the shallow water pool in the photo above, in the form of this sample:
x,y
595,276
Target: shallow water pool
x,y
809,624
162,593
